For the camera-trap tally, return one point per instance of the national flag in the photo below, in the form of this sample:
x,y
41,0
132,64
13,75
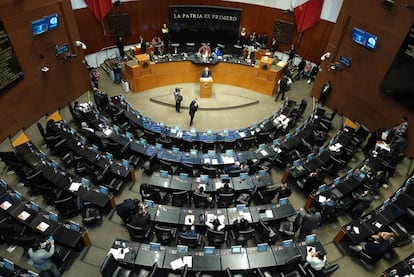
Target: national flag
x,y
100,8
307,13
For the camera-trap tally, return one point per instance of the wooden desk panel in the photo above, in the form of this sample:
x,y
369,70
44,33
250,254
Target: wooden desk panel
x,y
163,74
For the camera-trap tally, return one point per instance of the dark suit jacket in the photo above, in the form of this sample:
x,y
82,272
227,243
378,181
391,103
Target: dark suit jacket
x,y
205,74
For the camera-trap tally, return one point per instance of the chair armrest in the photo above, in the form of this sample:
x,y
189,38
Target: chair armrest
x,y
233,236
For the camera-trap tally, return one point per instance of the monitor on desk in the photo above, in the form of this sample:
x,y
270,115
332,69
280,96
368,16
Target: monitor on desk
x,y
224,177
175,150
229,152
254,125
288,136
17,195
262,146
398,192
8,264
125,163
193,131
211,153
276,142
34,207
287,243
74,226
244,175
162,124
337,181
163,173
158,146
350,172
149,203
323,188
54,217
94,148
103,190
236,249
209,250
361,176
283,201
109,156
155,246
241,207
310,156
128,135
297,130
209,132
387,203
226,132
182,249
296,163
85,183
310,239
262,247
322,149
262,173
41,154
142,141
203,178
184,176
116,129
193,152
32,274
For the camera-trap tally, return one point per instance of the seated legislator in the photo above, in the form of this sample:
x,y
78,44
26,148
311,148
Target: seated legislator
x,y
215,224
218,52
141,219
316,259
376,246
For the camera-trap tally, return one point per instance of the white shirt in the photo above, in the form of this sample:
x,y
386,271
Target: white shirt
x,y
315,262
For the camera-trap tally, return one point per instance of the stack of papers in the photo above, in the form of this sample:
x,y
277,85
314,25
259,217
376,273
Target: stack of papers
x,y
5,205
75,186
181,262
23,215
42,226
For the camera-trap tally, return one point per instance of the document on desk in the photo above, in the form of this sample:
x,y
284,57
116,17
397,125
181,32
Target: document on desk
x,y
356,230
247,216
310,249
214,161
207,161
321,199
264,152
178,263
242,134
5,205
189,219
188,260
75,186
219,185
118,253
42,226
269,214
228,160
23,215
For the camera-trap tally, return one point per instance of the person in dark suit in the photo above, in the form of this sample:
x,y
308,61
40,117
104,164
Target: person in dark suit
x,y
309,221
143,44
284,84
326,89
362,203
241,224
141,219
376,246
273,44
178,98
193,110
127,208
292,52
120,45
205,73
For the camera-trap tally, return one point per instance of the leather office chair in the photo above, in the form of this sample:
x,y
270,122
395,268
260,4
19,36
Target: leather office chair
x,y
25,242
235,173
109,180
168,166
205,146
298,111
139,234
150,165
151,137
289,228
266,233
165,234
90,213
266,196
180,273
292,268
33,182
166,143
263,137
241,237
179,198
67,207
189,169
225,200
192,242
228,144
216,238
200,201
247,143
210,171
111,268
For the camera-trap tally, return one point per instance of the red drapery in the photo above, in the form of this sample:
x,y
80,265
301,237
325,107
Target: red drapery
x,y
100,8
307,14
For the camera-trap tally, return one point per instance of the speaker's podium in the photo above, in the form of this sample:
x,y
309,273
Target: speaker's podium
x,y
206,87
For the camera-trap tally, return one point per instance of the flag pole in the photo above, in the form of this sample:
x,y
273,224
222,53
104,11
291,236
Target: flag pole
x,y
103,27
299,37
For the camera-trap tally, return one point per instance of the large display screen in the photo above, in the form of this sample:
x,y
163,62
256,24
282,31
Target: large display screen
x,y
201,24
10,70
364,38
44,24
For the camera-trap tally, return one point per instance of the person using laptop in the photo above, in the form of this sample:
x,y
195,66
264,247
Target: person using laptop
x,y
316,259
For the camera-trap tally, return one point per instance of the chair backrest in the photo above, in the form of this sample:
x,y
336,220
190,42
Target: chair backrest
x,y
41,130
225,200
153,270
136,233
184,271
294,260
189,241
200,201
109,266
179,198
243,236
215,236
163,234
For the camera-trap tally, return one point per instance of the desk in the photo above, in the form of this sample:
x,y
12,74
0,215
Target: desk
x,y
402,269
199,217
261,259
234,261
67,237
206,262
147,257
283,211
262,212
168,214
283,254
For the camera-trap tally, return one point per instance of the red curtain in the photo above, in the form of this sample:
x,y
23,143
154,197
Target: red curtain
x,y
307,14
99,8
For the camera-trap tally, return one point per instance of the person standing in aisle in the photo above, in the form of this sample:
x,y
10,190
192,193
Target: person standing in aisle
x,y
178,98
193,110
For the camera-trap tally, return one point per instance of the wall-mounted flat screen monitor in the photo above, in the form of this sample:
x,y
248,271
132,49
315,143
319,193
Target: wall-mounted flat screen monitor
x,y
155,246
262,247
236,249
44,24
364,38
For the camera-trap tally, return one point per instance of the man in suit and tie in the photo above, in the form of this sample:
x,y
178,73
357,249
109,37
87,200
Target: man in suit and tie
x,y
206,73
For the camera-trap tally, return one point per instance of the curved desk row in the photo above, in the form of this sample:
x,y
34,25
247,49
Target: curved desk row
x,y
177,216
151,75
141,255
